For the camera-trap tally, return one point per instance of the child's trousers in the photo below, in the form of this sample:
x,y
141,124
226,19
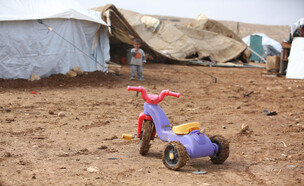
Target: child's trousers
x,y
138,69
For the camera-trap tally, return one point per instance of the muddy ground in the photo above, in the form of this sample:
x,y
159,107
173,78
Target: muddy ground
x,y
83,145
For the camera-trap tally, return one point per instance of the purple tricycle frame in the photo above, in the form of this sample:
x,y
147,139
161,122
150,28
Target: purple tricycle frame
x,y
196,142
193,144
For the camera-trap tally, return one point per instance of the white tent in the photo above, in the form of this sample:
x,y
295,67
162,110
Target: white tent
x,y
265,41
50,37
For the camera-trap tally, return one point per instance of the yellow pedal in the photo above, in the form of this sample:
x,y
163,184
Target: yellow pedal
x,y
127,136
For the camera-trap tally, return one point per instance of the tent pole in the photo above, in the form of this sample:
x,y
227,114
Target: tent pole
x,y
256,54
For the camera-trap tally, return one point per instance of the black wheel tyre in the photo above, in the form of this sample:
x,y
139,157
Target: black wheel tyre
x,y
145,137
175,155
223,152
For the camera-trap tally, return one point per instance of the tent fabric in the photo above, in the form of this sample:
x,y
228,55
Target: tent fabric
x,y
295,68
28,47
171,41
204,23
14,10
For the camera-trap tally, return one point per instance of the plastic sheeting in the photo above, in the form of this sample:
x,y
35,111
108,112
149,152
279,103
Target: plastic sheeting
x,y
295,68
265,41
28,47
294,26
13,10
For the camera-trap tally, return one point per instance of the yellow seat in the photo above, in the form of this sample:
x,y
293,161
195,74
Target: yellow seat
x,y
186,128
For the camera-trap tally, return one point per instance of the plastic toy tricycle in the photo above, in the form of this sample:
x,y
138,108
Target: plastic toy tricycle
x,y
184,141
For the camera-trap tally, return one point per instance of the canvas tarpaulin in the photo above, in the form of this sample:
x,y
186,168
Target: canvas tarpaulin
x,y
172,41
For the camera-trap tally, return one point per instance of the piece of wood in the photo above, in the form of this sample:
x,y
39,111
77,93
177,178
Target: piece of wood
x,y
273,63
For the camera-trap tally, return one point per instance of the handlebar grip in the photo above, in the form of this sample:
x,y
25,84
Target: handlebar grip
x,y
174,94
131,88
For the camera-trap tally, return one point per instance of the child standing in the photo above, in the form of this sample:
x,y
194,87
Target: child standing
x,y
137,60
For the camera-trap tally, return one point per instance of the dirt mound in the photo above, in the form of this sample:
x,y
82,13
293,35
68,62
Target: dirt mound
x,y
96,78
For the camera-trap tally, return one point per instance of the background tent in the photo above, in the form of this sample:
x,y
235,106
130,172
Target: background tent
x,y
68,36
265,46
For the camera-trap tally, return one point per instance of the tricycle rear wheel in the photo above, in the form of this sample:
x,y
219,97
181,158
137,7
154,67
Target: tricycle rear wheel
x,y
145,137
223,149
175,155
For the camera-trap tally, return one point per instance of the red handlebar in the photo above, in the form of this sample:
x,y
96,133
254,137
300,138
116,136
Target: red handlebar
x,y
152,99
174,94
130,88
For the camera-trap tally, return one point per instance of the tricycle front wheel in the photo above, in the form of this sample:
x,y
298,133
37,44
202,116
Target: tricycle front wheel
x,y
175,155
223,149
145,137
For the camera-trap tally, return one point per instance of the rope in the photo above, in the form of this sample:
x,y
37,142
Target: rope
x,y
212,77
52,30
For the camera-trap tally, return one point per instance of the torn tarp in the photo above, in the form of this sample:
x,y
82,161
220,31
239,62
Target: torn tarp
x,y
171,41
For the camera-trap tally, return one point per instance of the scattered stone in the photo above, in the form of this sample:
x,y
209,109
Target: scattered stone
x,y
92,169
77,70
71,74
115,69
9,120
130,100
51,112
224,127
7,110
102,147
7,155
34,77
83,151
111,138
245,130
61,114
244,127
